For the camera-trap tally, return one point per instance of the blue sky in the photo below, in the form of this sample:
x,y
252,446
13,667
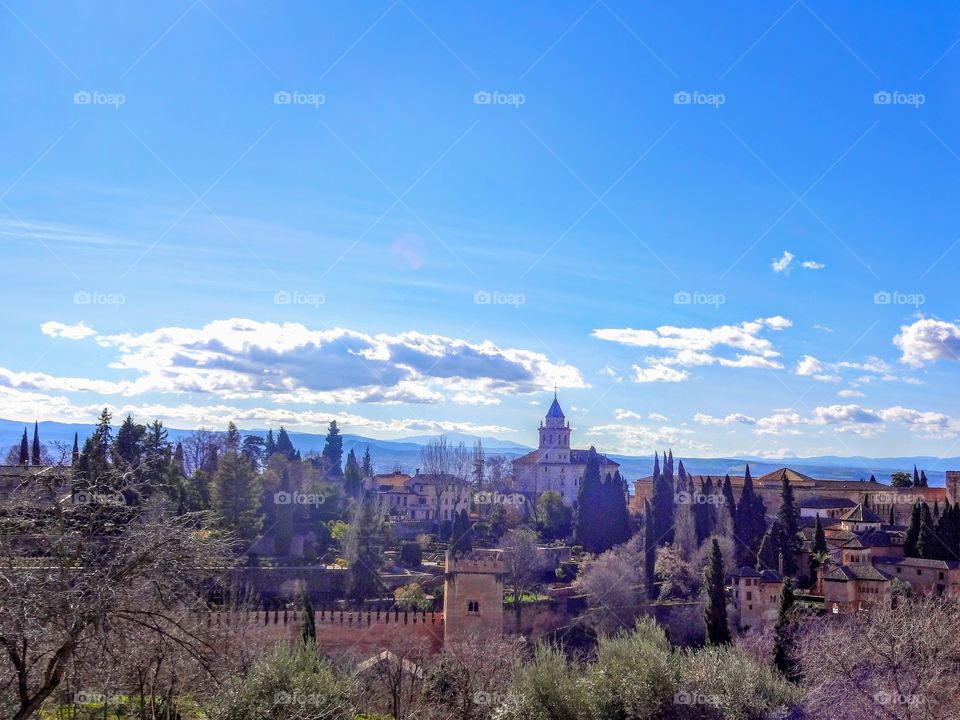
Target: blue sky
x,y
721,229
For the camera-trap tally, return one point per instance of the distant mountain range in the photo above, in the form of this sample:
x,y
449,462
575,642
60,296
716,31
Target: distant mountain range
x,y
405,453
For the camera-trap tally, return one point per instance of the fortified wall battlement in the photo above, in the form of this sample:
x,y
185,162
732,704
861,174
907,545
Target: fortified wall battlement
x,y
337,630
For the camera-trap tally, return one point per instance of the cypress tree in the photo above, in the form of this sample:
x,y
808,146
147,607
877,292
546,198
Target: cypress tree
x,y
271,444
703,511
235,494
649,550
872,478
662,502
891,515
366,467
685,532
729,505
590,519
24,449
928,546
750,522
352,476
308,624
616,507
923,479
718,629
367,543
333,450
787,515
284,444
35,455
916,477
461,535
75,456
913,533
819,546
783,640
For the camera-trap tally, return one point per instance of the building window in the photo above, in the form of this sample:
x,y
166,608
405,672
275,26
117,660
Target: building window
x,y
473,606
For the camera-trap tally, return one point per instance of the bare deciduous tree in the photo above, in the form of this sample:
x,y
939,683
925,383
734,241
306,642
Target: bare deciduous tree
x,y
521,561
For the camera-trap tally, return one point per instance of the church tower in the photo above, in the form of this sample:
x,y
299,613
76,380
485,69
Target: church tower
x,y
555,435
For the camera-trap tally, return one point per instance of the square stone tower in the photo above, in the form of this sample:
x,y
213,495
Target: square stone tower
x,y
473,595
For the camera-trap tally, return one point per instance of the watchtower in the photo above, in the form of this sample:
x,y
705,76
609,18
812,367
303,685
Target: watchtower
x,y
473,595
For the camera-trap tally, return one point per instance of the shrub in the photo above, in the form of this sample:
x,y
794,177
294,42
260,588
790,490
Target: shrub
x,y
411,554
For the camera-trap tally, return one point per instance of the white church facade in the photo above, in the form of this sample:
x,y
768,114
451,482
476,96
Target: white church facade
x,y
554,465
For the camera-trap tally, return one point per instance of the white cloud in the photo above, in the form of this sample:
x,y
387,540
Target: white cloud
x,y
812,265
783,264
658,373
928,340
780,423
621,414
690,347
850,394
823,328
69,332
657,417
639,439
728,420
809,366
242,359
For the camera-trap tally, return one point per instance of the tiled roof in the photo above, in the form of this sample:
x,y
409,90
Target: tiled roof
x,y
577,457
860,514
845,573
818,503
920,563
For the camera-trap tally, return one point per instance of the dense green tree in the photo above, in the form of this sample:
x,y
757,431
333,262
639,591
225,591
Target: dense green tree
x,y
352,476
254,449
783,636
923,479
127,446
94,461
900,479
704,511
589,529
554,517
718,629
649,550
285,445
685,531
35,458
615,507
916,477
367,539
75,455
270,445
235,493
729,504
771,548
928,544
461,533
662,502
333,450
750,522
156,453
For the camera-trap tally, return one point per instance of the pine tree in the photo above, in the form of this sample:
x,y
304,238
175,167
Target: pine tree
x,y
913,533
127,448
367,554
819,546
235,494
718,629
366,466
308,625
284,445
24,449
783,640
333,450
271,445
352,476
35,455
787,516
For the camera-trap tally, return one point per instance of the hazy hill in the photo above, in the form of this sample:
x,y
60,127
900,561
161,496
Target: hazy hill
x,y
405,452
